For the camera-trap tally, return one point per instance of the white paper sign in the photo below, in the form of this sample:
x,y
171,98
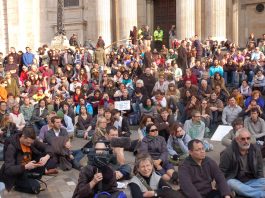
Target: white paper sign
x,y
220,132
122,105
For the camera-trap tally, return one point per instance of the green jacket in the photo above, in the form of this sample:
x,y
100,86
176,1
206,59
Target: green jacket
x,y
158,35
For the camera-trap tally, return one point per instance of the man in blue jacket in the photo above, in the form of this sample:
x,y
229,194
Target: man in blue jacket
x,y
28,57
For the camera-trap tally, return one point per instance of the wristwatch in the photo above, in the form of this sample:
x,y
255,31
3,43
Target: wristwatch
x,y
155,194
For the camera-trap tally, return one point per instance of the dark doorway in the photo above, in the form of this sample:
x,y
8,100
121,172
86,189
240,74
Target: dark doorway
x,y
165,16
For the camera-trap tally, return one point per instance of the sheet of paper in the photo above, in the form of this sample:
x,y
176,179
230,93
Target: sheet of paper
x,y
220,132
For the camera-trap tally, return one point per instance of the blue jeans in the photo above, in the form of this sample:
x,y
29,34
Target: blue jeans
x,y
231,78
251,188
78,155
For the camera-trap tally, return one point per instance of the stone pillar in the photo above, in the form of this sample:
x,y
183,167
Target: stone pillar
x,y
103,17
215,19
185,18
150,14
235,22
126,18
3,29
198,18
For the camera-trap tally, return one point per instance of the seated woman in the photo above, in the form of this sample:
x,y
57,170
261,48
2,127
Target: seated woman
x,y
219,80
245,89
159,99
146,120
63,156
259,82
193,104
109,117
17,118
206,113
256,95
100,131
156,146
83,125
148,108
172,96
177,143
7,128
146,182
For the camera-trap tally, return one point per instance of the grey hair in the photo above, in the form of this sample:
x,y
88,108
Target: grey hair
x,y
203,81
140,81
239,131
140,158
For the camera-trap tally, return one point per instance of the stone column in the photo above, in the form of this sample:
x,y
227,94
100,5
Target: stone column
x,y
185,18
3,29
103,17
198,18
126,18
215,19
150,14
235,21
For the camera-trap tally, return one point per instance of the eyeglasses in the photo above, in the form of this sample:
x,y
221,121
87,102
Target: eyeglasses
x,y
245,138
153,130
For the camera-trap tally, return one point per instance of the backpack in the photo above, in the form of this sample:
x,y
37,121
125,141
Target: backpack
x,y
104,194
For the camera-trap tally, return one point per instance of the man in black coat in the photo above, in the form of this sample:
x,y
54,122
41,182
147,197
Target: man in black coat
x,y
24,155
149,80
182,56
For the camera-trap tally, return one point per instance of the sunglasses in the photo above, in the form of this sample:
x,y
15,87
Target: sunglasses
x,y
153,130
244,139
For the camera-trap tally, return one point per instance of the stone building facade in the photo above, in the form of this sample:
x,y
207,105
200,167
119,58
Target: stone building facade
x,y
33,22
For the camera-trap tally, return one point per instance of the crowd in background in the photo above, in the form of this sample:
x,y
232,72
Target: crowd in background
x,y
198,85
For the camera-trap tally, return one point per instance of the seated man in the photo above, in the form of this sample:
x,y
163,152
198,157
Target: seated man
x,y
163,122
121,123
255,124
195,127
55,131
242,166
46,127
39,115
231,111
24,155
123,171
198,172
96,177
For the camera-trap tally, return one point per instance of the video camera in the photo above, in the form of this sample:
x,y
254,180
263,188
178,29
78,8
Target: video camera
x,y
105,155
122,142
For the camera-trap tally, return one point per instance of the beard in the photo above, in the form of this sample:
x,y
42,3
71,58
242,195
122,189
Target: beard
x,y
244,146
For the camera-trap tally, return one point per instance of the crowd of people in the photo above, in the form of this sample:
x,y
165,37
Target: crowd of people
x,y
178,96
